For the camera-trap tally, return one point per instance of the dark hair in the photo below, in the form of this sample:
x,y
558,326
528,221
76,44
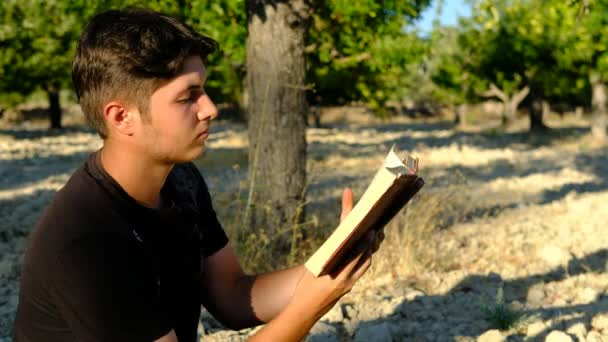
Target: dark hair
x,y
126,55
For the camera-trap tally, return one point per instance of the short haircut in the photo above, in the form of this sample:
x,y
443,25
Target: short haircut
x,y
126,55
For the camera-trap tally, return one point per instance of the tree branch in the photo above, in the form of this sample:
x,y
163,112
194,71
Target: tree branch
x,y
494,91
521,95
354,59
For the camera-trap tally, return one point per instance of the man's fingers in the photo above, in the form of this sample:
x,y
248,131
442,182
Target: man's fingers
x,y
365,263
361,251
376,245
347,203
351,263
378,240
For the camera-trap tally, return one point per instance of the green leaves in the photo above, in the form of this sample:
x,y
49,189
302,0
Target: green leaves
x,y
226,22
360,50
356,50
526,42
38,38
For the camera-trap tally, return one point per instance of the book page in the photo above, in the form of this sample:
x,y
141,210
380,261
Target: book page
x,y
383,179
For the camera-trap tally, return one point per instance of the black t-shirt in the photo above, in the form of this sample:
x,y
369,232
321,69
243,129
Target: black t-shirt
x,y
101,267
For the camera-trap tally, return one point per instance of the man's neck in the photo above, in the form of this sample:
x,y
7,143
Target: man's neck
x,y
140,176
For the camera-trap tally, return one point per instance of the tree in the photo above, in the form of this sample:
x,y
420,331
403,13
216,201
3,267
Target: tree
x,y
510,102
565,54
520,42
453,84
464,69
226,22
37,38
276,111
360,50
591,56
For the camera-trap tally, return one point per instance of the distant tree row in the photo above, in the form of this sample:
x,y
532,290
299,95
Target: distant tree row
x,y
530,52
355,50
526,53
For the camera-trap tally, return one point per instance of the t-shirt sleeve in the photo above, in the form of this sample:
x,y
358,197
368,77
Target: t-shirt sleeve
x,y
107,290
213,235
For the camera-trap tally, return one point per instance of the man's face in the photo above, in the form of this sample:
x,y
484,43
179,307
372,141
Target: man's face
x,y
180,113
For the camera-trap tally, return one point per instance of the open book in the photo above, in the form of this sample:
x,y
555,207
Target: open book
x,y
394,184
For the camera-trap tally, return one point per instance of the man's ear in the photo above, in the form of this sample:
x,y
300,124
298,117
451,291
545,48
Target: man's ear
x,y
120,118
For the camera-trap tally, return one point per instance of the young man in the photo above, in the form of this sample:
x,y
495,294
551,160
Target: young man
x,y
130,247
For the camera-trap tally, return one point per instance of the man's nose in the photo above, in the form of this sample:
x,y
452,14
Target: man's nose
x,y
207,108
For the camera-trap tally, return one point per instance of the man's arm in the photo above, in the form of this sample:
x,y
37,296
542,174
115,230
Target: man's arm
x,y
314,296
239,300
291,300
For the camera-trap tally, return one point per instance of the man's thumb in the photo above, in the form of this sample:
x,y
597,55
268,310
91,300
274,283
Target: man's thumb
x,y
347,202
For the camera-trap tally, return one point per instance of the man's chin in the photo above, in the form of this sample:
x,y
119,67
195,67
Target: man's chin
x,y
189,156
197,152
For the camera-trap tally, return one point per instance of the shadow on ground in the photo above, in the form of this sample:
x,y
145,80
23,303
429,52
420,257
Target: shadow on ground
x,y
18,173
595,163
20,213
450,136
476,292
21,134
590,162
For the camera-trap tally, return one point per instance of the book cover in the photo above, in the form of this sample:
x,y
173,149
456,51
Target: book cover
x,y
392,187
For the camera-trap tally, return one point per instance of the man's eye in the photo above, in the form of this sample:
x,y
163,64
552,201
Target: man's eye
x,y
190,98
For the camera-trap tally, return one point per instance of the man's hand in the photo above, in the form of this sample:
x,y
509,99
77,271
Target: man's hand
x,y
317,295
314,296
321,293
347,203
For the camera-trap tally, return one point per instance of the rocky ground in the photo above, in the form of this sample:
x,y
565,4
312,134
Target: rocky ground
x,y
517,249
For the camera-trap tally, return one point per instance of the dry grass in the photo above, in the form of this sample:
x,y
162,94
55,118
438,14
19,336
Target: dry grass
x,y
412,243
409,247
260,250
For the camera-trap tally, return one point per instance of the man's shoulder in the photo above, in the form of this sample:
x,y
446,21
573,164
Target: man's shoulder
x,y
80,206
82,197
77,212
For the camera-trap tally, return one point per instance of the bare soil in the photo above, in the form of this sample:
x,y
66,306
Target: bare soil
x,y
501,210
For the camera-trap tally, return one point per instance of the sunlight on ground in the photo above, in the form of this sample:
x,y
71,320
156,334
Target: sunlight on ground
x,y
496,202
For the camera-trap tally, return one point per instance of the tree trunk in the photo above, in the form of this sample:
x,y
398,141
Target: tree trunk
x,y
316,116
460,115
515,100
547,109
52,91
535,112
508,114
510,103
277,111
598,107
